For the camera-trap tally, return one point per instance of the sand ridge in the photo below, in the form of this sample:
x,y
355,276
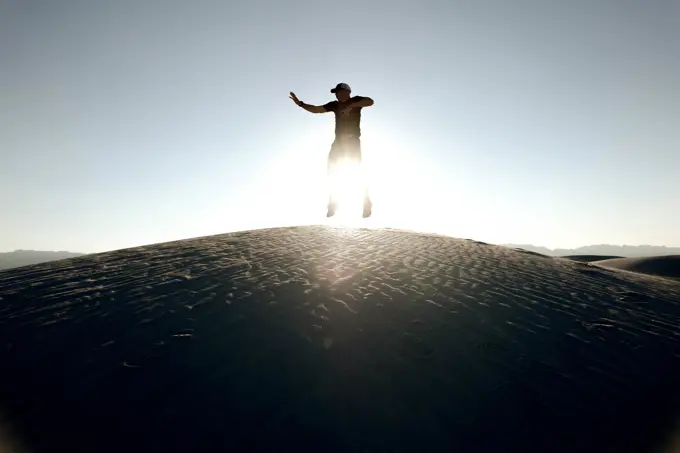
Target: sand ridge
x,y
589,258
661,266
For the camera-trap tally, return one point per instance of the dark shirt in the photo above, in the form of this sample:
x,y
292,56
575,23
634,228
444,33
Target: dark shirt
x,y
347,119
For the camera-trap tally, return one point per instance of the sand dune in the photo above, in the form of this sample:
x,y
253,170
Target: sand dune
x,y
633,251
589,258
662,266
322,339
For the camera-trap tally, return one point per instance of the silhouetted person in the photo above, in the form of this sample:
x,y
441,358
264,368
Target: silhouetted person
x,y
347,143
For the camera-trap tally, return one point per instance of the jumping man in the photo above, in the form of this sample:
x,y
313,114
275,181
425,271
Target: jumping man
x,y
347,143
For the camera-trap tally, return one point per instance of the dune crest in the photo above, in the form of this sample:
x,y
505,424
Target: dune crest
x,y
661,266
589,258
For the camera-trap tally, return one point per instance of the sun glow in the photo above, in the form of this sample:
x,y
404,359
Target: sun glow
x,y
399,181
408,190
347,181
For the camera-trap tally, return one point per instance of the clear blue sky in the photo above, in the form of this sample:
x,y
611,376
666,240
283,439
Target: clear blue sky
x,y
128,122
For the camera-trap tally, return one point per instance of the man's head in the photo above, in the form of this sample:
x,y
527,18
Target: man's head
x,y
342,92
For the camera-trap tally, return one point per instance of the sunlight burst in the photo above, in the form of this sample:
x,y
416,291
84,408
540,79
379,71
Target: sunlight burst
x,y
348,180
399,180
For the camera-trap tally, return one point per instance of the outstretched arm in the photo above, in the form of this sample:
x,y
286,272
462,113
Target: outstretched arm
x,y
313,108
309,108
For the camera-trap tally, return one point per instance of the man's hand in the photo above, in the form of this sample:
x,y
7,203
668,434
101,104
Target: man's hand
x,y
295,98
309,108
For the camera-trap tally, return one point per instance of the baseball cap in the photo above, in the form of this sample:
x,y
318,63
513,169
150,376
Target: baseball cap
x,y
340,86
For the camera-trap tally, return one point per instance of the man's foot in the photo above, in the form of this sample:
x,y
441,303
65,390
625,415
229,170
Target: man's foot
x,y
368,208
331,209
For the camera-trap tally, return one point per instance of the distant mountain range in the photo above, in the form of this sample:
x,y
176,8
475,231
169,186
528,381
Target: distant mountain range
x,y
20,258
628,251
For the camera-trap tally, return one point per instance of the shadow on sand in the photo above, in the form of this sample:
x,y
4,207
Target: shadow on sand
x,y
325,340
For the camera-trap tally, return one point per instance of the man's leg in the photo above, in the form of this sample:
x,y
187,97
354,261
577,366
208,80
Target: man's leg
x,y
368,204
364,180
332,202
